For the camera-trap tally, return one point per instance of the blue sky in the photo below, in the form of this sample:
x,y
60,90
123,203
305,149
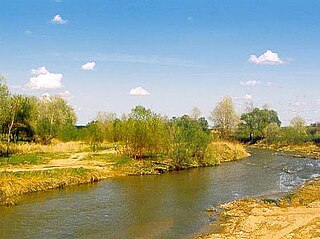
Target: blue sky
x,y
170,55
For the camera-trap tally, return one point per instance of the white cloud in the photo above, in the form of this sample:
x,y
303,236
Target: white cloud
x,y
65,95
138,91
250,83
245,97
190,18
28,32
57,19
40,71
46,97
88,66
269,84
267,58
297,103
43,79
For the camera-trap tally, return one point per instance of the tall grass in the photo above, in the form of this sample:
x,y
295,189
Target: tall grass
x,y
55,146
223,151
17,183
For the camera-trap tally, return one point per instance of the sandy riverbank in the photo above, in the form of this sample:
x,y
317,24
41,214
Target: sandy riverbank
x,y
297,215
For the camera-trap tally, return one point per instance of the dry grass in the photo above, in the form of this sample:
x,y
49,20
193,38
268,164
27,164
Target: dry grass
x,y
308,150
14,184
55,146
224,151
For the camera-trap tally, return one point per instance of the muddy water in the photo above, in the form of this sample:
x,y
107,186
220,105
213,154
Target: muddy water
x,y
171,205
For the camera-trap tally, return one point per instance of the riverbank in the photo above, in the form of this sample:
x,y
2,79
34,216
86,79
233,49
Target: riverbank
x,y
301,151
62,165
296,215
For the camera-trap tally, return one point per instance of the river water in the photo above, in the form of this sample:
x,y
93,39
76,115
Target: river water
x,y
171,205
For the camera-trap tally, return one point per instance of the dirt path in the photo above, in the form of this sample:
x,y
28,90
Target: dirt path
x,y
74,161
300,218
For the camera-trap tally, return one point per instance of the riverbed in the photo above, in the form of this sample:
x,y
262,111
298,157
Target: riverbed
x,y
171,205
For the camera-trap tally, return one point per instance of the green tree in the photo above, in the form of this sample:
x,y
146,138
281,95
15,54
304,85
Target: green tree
x,y
272,132
254,122
17,118
296,133
105,123
190,140
54,114
4,102
224,117
142,132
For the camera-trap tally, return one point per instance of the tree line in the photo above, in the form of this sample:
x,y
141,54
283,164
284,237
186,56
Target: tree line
x,y
143,133
29,118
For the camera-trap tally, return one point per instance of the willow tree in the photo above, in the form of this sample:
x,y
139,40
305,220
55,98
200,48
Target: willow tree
x,y
224,117
190,138
296,133
254,122
142,132
54,114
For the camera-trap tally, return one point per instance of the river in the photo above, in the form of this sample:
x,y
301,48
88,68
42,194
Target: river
x,y
171,205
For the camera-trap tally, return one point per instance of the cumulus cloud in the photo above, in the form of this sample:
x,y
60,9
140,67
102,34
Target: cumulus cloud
x,y
267,58
245,97
65,95
47,96
57,19
138,91
88,66
250,83
43,79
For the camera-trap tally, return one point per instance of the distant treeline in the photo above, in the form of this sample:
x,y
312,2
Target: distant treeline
x,y
142,133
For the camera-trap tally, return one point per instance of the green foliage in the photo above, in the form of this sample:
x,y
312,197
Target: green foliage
x,y
190,140
272,133
253,123
93,135
143,132
54,115
4,100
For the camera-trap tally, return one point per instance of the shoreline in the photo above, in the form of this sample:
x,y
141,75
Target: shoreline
x,y
299,151
294,215
86,168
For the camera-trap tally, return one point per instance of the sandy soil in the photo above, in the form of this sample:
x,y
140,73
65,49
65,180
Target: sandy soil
x,y
296,216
